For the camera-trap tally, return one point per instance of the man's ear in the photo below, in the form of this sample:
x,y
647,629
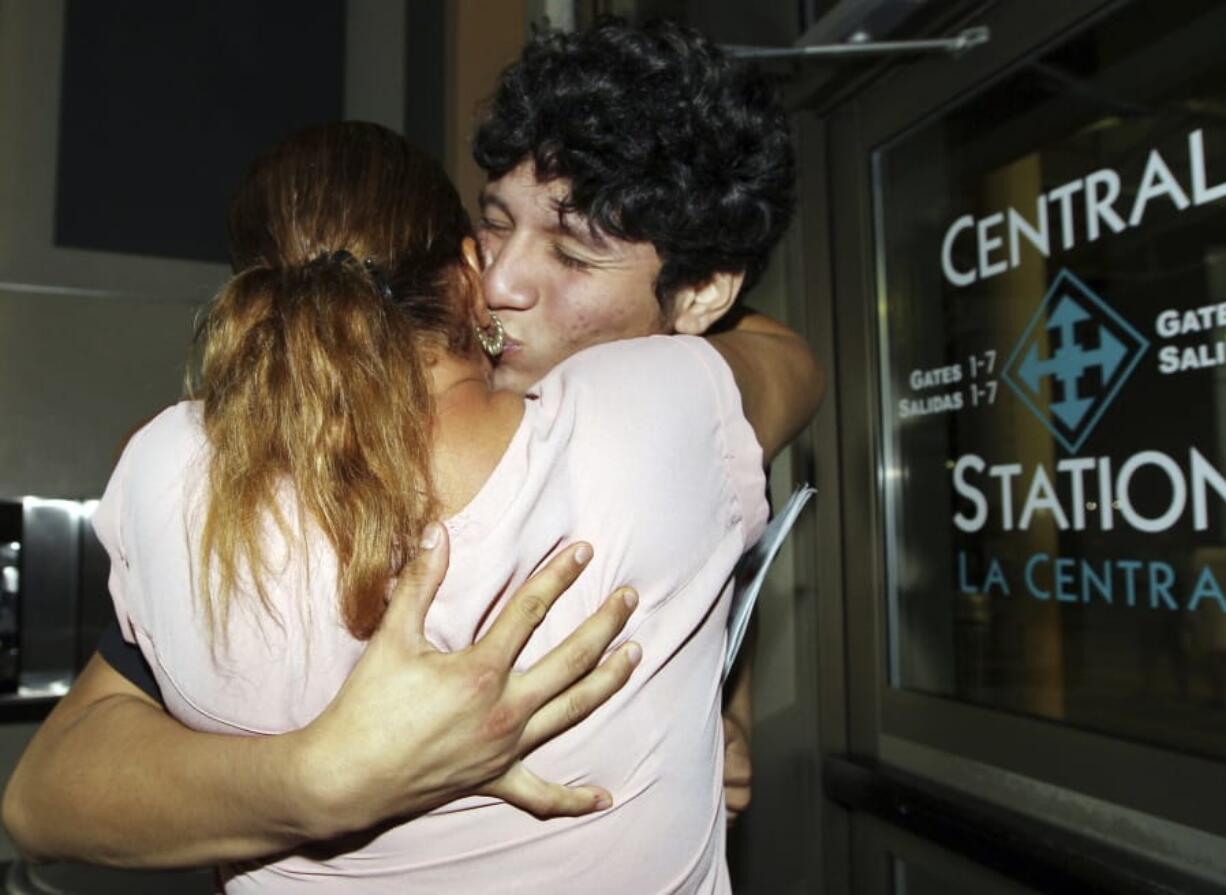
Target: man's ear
x,y
697,308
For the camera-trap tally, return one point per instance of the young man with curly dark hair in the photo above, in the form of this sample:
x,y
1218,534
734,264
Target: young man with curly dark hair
x,y
638,181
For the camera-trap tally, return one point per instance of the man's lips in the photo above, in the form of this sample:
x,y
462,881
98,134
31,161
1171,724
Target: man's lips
x,y
509,347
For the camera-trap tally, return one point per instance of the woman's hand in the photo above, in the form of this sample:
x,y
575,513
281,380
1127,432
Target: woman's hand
x,y
413,728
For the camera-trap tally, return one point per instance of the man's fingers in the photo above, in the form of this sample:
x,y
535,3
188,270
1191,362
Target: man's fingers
x,y
418,582
737,775
738,766
523,789
738,770
527,608
577,654
736,800
569,708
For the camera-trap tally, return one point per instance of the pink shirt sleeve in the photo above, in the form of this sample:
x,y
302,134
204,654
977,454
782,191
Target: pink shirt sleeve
x,y
741,453
109,529
661,439
682,391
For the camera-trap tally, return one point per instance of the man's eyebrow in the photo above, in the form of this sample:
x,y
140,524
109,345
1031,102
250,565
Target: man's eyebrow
x,y
486,199
578,227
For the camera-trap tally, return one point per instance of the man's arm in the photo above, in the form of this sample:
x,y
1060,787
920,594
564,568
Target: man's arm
x,y
738,728
110,778
780,381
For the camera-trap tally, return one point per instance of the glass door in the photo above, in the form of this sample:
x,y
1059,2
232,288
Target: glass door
x,y
1029,302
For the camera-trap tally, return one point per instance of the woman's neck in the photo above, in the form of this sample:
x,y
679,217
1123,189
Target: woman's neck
x,y
449,372
473,425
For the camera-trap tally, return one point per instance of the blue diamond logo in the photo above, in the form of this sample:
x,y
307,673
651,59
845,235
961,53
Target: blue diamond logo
x,y
1082,350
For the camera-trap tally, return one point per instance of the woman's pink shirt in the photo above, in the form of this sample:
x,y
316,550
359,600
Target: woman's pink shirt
x,y
639,447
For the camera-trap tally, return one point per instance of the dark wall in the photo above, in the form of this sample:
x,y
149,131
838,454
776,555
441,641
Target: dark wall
x,y
164,105
425,64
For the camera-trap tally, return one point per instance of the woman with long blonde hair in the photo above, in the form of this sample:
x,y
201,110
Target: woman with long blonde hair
x,y
343,402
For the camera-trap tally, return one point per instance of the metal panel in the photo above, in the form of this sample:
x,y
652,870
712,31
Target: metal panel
x,y
856,379
51,540
890,860
821,641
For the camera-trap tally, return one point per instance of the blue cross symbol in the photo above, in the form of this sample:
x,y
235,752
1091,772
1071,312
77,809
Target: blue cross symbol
x,y
1070,361
1067,307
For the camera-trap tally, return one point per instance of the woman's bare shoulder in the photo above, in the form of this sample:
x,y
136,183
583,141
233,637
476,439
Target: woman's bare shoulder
x,y
472,433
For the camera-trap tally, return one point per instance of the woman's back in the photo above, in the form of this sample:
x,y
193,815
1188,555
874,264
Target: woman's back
x,y
639,447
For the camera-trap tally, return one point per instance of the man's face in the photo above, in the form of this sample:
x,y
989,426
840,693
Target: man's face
x,y
557,286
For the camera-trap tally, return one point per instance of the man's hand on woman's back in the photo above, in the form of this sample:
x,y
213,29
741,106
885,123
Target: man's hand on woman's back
x,y
413,727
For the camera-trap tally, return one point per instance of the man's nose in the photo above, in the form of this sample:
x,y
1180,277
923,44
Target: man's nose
x,y
509,282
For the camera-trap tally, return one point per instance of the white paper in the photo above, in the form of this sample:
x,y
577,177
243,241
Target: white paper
x,y
751,571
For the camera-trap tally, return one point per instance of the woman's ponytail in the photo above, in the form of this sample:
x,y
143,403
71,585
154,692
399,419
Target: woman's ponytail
x,y
312,376
348,247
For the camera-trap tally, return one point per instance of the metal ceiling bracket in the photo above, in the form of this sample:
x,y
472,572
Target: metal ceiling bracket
x,y
964,40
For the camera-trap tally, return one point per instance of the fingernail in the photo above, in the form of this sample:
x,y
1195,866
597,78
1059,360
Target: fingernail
x,y
603,802
583,554
630,598
431,535
634,653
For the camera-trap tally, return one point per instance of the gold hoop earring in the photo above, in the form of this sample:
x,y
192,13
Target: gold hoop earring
x,y
492,338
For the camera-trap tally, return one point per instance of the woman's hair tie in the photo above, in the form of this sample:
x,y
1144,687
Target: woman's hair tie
x,y
377,276
342,257
331,259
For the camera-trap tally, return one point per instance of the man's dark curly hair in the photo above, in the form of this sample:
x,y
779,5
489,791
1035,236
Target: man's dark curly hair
x,y
662,137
